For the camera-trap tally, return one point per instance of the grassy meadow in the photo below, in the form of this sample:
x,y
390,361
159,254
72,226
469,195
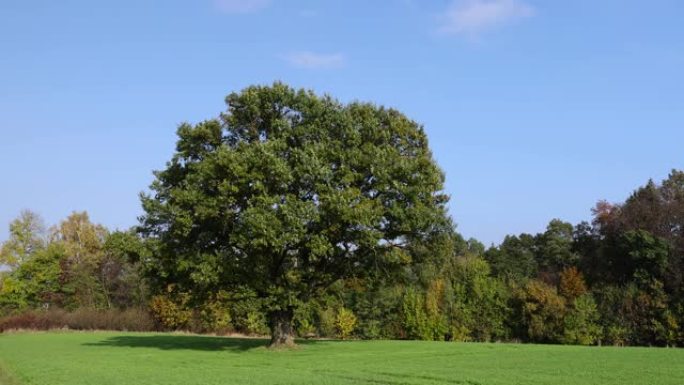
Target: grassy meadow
x,y
109,358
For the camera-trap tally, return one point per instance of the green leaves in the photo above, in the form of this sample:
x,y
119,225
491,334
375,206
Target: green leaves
x,y
27,235
289,192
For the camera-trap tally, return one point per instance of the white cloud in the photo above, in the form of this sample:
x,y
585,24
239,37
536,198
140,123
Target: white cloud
x,y
313,60
473,17
241,6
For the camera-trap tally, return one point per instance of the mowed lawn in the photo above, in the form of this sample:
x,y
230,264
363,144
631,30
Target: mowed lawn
x,y
109,358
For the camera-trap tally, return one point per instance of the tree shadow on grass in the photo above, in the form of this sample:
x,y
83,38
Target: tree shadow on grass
x,y
182,342
186,342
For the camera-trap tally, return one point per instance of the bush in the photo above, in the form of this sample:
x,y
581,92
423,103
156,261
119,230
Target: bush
x,y
303,320
214,316
136,319
345,322
422,316
169,314
377,308
246,312
133,319
541,312
616,335
326,322
581,322
477,304
94,319
256,323
34,320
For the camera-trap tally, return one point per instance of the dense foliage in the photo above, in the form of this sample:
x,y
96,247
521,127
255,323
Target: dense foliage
x,y
288,193
74,264
610,282
295,211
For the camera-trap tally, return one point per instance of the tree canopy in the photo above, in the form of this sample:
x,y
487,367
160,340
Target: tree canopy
x,y
287,193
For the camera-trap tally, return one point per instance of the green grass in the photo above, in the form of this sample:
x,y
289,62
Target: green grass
x,y
106,358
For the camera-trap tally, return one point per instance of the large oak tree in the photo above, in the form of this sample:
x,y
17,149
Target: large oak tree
x,y
288,192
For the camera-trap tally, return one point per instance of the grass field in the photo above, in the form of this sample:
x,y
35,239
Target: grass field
x,y
106,358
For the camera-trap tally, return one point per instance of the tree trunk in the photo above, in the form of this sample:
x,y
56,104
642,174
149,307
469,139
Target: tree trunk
x,y
282,333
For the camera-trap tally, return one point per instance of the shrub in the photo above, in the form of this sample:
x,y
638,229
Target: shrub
x,y
256,323
617,335
245,311
477,304
422,316
326,322
214,315
377,308
34,320
90,319
170,314
671,333
415,317
112,319
541,312
581,322
345,322
303,320
136,319
133,319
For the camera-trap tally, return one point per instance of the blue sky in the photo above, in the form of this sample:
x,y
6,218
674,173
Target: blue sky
x,y
534,109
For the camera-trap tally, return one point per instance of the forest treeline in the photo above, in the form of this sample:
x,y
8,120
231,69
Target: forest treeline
x,y
617,280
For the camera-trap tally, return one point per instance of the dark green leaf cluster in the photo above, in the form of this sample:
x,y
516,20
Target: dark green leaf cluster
x,y
289,192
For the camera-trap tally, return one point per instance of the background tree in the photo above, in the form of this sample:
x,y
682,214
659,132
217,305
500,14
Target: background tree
x,y
83,276
35,282
571,284
540,312
554,247
581,322
515,258
290,192
79,265
27,235
121,269
478,306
